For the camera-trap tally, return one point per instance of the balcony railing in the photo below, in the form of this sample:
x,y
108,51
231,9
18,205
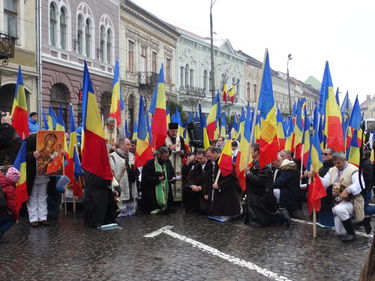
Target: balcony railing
x,y
147,78
6,46
192,91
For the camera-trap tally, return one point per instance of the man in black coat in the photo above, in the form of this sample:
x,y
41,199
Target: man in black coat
x,y
223,196
196,188
157,176
261,209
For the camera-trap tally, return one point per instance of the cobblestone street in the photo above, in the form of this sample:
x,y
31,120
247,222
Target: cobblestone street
x,y
68,250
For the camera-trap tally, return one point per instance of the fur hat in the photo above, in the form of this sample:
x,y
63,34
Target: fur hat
x,y
173,126
13,174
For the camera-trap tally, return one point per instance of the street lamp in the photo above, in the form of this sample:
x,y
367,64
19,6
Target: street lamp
x,y
212,73
287,77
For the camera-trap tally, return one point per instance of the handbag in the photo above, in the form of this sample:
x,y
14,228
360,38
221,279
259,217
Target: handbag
x,y
359,208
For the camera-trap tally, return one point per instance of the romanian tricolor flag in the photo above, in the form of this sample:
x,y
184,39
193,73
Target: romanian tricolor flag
x,y
94,150
202,120
354,155
115,110
213,117
45,121
158,109
356,120
19,109
306,141
235,128
225,92
69,169
316,190
268,144
242,123
135,130
168,115
223,125
280,129
298,132
232,93
333,124
143,151
51,119
21,187
257,129
60,123
289,135
242,159
225,161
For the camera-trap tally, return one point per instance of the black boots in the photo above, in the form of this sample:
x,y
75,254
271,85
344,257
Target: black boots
x,y
366,224
284,216
350,234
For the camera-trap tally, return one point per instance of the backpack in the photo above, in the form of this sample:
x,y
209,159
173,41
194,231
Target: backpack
x,y
3,201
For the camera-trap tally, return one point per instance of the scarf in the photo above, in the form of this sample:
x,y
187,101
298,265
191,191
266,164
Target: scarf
x,y
161,189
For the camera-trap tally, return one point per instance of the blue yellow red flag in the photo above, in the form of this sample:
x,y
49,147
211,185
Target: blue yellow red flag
x,y
143,151
94,152
19,109
213,117
21,186
115,110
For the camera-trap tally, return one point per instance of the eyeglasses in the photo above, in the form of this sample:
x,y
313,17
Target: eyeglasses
x,y
325,154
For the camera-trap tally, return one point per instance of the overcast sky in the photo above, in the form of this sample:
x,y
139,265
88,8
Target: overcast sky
x,y
340,31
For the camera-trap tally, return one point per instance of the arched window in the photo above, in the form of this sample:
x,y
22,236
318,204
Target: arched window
x,y
191,77
60,96
102,42
63,29
80,34
248,88
182,81
52,24
106,104
205,80
131,112
109,46
187,75
88,37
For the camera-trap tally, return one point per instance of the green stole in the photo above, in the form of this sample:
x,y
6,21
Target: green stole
x,y
161,189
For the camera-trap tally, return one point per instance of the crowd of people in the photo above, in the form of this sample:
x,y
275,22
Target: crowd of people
x,y
273,194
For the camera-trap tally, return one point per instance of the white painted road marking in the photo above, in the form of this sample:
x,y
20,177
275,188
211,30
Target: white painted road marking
x,y
265,272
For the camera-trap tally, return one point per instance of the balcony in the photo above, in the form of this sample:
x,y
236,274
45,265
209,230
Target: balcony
x,y
192,91
6,46
147,78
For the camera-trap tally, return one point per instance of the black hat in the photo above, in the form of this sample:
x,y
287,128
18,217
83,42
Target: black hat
x,y
173,126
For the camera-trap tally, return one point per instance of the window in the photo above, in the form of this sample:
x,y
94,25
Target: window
x,y
143,66
191,77
63,29
88,38
10,17
248,91
80,34
182,70
131,56
52,24
205,80
102,43
168,70
187,76
109,45
153,63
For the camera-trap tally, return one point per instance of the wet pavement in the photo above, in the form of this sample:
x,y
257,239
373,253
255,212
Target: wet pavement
x,y
68,250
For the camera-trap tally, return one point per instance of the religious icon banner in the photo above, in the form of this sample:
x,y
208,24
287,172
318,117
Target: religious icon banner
x,y
50,145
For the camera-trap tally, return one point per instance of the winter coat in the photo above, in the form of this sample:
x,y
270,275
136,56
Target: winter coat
x,y
10,143
10,196
223,201
327,201
287,180
33,126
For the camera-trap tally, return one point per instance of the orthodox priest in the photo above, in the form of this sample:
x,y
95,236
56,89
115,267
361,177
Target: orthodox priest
x,y
176,146
157,176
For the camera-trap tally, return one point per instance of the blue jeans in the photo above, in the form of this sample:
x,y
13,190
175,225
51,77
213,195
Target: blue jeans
x,y
369,210
6,222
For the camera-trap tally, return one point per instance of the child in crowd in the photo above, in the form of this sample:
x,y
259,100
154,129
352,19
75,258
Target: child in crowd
x,y
9,214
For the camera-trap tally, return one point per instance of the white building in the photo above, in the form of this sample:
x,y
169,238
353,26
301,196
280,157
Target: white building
x,y
193,72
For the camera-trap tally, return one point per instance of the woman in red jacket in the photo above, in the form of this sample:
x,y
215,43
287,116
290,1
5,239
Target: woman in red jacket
x,y
10,215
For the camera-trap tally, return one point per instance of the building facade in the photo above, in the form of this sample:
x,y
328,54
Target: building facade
x,y
146,43
18,47
72,32
193,70
368,107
